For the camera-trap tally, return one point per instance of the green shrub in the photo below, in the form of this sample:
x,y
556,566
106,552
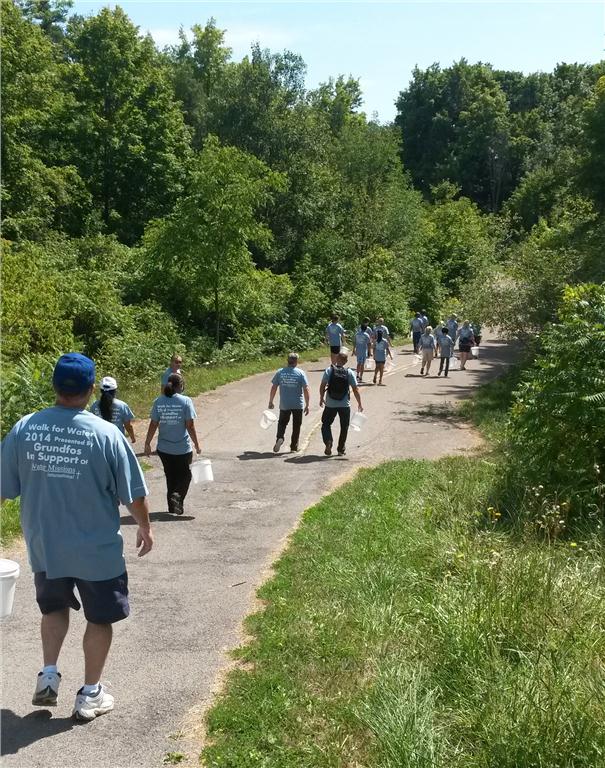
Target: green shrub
x,y
556,435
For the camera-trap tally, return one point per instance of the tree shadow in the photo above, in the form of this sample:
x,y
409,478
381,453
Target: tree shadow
x,y
251,455
19,732
157,517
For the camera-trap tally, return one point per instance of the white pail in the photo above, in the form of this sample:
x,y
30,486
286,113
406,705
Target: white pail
x,y
9,573
357,421
201,471
475,351
268,419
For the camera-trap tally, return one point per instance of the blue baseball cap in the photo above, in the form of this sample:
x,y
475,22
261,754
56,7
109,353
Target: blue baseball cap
x,y
74,373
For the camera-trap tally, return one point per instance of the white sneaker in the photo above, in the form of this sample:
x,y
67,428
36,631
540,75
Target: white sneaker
x,y
278,444
47,689
87,707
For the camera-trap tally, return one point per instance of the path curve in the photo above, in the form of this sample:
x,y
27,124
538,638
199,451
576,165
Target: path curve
x,y
189,595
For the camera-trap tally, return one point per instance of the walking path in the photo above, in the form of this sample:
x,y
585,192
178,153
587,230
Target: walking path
x,y
189,595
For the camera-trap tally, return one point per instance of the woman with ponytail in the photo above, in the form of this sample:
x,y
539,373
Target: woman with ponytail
x,y
173,414
109,408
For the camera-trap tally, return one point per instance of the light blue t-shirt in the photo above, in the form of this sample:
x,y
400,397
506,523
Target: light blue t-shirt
x,y
425,321
172,414
380,351
465,334
120,412
334,332
291,382
362,344
446,346
71,470
452,326
383,328
417,325
346,400
166,375
427,341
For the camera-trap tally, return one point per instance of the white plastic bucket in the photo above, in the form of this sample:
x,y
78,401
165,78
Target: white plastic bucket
x,y
268,419
475,351
345,351
454,364
9,573
201,471
357,421
370,364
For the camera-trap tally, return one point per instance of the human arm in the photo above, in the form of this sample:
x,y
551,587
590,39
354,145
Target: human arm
x,y
130,430
151,430
307,396
190,425
139,509
358,398
272,395
322,392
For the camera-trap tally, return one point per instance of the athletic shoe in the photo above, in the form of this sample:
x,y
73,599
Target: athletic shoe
x,y
88,706
328,450
47,689
278,444
341,451
438,373
422,371
175,504
294,448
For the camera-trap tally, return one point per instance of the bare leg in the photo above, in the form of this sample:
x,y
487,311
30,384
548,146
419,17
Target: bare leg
x,y
53,629
97,642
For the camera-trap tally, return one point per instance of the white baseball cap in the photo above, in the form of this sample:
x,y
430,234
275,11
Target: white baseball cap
x,y
108,384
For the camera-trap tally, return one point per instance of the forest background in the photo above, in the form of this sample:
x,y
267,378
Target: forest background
x,y
176,200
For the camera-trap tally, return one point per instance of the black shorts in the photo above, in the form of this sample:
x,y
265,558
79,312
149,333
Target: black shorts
x,y
105,602
465,346
335,350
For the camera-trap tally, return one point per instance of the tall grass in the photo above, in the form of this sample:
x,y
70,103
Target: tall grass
x,y
406,628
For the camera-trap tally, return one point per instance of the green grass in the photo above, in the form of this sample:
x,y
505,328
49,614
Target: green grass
x,y
140,396
9,522
406,628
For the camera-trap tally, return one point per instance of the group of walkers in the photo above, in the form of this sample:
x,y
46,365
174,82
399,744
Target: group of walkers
x,y
72,468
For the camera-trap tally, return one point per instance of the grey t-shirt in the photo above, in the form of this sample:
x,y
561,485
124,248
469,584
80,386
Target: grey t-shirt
x,y
172,414
71,470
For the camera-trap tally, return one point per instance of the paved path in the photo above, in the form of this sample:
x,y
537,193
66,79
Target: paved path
x,y
189,595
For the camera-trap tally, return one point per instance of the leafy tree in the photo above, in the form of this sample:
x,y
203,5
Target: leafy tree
x,y
130,143
198,259
51,15
592,167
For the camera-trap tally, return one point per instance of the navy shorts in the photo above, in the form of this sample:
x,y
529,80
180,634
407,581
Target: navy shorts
x,y
104,602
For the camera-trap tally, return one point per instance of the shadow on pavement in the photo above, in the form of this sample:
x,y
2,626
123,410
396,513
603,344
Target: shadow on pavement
x,y
311,459
19,732
156,517
249,455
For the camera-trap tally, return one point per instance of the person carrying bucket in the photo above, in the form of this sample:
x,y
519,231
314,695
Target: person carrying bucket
x,y
427,345
337,383
446,350
293,389
174,415
72,470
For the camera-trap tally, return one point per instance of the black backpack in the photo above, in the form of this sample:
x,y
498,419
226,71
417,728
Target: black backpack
x,y
338,383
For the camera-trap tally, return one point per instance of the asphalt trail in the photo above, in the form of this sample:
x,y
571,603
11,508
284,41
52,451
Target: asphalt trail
x,y
189,595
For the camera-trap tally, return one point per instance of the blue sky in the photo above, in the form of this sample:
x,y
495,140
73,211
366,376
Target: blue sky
x,y
380,42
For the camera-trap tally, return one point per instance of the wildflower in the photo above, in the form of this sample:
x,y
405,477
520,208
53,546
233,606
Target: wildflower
x,y
573,544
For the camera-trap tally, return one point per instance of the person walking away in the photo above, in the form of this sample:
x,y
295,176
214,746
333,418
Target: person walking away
x,y
382,348
438,335
425,319
363,349
111,409
176,361
466,340
71,471
427,346
446,350
476,328
380,326
335,337
174,416
452,327
416,328
293,389
337,383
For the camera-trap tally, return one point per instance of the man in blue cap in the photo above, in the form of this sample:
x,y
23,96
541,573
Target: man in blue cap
x,y
72,470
